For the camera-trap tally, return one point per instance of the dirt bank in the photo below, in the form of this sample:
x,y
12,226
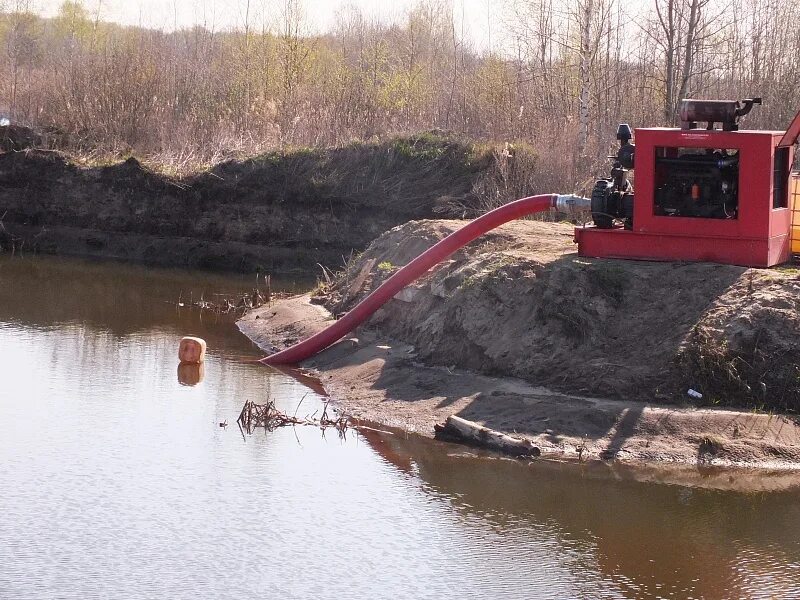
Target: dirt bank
x,y
520,334
279,212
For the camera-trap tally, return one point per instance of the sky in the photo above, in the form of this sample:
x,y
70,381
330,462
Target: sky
x,y
480,22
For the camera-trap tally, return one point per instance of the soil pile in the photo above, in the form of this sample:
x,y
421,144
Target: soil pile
x,y
278,212
520,302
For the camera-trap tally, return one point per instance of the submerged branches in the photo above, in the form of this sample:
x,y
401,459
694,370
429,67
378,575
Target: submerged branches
x,y
223,304
254,416
238,303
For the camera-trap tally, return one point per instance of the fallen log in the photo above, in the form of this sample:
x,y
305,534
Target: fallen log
x,y
456,429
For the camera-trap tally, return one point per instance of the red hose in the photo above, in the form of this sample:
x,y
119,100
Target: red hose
x,y
409,273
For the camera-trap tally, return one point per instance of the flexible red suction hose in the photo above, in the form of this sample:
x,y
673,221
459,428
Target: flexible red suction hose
x,y
413,270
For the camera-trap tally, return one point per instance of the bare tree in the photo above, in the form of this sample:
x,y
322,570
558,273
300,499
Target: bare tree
x,y
21,47
585,15
570,70
294,55
684,31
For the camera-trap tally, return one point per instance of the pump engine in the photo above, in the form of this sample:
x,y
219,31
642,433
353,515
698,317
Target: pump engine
x,y
697,183
702,193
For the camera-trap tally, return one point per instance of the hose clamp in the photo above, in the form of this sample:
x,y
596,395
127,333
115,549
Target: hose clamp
x,y
570,203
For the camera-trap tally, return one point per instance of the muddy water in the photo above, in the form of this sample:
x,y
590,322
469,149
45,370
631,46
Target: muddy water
x,y
117,481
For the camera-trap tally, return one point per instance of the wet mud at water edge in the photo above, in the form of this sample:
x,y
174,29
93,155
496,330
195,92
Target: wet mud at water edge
x,y
118,481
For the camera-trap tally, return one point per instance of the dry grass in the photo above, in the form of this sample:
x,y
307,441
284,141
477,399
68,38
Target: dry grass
x,y
761,379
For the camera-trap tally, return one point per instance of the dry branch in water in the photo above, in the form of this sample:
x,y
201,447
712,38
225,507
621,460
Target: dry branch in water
x,y
254,416
224,304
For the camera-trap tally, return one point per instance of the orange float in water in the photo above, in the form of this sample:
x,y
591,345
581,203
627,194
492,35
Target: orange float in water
x,y
192,350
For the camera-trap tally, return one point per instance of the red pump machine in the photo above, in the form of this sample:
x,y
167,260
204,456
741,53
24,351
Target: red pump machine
x,y
714,194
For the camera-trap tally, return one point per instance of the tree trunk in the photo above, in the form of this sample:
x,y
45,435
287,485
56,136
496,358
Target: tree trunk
x,y
668,26
586,15
688,54
460,430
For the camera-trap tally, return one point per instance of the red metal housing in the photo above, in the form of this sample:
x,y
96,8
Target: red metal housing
x,y
759,236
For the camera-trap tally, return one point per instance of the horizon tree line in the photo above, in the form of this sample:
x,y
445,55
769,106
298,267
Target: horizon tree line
x,y
563,76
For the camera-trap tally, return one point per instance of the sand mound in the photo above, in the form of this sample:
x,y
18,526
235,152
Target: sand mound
x,y
520,302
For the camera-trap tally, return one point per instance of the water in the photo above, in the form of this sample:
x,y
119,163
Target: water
x,y
117,481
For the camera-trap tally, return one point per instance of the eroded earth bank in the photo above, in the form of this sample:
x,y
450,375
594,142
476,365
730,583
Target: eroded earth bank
x,y
281,212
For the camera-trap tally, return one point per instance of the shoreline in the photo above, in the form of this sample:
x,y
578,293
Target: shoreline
x,y
378,379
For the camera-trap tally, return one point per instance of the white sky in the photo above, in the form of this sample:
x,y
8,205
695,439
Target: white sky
x,y
321,14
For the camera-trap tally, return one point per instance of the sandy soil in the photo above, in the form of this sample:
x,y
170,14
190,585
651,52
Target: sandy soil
x,y
380,380
584,358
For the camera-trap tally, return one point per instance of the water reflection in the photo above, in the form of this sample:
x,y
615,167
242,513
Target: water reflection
x,y
118,481
46,292
648,539
191,374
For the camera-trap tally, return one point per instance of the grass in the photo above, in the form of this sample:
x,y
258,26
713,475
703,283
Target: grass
x,y
490,273
790,270
711,444
446,174
422,147
471,281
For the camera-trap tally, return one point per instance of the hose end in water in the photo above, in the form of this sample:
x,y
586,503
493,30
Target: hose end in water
x,y
570,203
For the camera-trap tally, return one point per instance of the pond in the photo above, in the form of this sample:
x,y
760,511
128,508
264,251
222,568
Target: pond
x,y
116,480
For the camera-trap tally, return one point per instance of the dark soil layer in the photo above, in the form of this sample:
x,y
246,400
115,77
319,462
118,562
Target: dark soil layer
x,y
521,303
277,212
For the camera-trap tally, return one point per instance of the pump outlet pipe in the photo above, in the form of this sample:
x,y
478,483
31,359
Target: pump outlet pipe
x,y
421,265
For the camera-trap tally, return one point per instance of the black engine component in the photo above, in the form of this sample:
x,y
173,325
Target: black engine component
x,y
609,203
698,183
626,149
612,197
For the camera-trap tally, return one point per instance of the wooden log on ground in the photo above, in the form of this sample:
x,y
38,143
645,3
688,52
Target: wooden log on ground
x,y
456,429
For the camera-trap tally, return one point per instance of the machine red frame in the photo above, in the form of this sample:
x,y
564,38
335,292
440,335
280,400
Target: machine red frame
x,y
758,237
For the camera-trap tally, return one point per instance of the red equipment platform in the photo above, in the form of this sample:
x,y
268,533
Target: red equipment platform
x,y
759,235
